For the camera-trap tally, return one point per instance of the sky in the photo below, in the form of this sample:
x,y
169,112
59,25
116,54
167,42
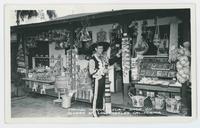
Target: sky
x,y
66,10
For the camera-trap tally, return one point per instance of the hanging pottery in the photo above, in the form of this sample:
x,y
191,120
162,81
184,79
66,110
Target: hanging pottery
x,y
156,39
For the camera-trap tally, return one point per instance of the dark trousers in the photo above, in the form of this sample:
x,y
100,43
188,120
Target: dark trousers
x,y
101,92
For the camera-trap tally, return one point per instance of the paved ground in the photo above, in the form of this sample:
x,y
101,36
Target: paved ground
x,y
36,105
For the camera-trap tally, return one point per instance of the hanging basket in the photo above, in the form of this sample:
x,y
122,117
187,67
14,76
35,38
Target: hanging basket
x,y
156,39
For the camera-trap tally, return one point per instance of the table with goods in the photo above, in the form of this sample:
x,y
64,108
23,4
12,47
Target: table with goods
x,y
154,88
43,75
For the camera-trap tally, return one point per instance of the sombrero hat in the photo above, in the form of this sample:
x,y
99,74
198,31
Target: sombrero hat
x,y
104,44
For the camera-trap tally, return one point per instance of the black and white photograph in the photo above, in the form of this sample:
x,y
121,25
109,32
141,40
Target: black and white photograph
x,y
99,63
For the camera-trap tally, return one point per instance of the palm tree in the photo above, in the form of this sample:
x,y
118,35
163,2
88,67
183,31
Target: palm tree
x,y
22,14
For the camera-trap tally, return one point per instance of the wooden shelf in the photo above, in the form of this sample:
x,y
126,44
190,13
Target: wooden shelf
x,y
39,81
158,87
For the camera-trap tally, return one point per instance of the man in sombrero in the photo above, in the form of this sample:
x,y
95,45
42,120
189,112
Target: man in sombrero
x,y
98,68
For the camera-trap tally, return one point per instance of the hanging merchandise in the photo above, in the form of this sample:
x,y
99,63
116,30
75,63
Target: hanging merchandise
x,y
84,80
31,41
62,38
156,39
101,36
107,97
133,27
115,39
182,57
183,63
77,41
173,45
163,47
84,35
144,30
117,28
83,39
133,30
126,58
135,68
72,68
173,54
21,68
141,45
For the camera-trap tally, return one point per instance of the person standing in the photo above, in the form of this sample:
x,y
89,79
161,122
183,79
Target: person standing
x,y
97,69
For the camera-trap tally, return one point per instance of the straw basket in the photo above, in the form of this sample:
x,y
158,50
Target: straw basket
x,y
173,105
159,103
137,101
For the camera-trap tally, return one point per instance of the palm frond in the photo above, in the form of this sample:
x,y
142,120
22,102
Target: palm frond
x,y
22,14
51,14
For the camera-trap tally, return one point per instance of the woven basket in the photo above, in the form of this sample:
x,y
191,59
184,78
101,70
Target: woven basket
x,y
137,101
173,105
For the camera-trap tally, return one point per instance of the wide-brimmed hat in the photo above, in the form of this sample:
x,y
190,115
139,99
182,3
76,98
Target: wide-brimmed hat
x,y
104,44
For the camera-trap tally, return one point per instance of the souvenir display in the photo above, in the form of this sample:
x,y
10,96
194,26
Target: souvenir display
x,y
135,68
183,64
21,67
84,35
143,76
157,67
84,91
158,72
107,97
115,39
126,58
31,42
163,47
133,32
141,45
